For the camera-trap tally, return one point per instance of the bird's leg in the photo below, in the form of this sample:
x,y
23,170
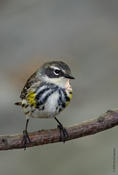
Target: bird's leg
x,y
63,132
26,138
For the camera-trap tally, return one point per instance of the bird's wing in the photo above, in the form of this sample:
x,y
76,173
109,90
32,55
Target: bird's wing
x,y
30,82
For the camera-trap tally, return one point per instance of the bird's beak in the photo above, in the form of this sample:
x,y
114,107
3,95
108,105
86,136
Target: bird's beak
x,y
69,76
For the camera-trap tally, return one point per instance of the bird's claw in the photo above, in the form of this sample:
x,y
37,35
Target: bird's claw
x,y
25,139
63,133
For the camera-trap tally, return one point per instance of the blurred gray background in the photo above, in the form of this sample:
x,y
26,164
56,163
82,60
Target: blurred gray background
x,y
85,35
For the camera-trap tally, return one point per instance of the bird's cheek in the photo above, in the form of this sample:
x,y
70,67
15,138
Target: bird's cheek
x,y
68,86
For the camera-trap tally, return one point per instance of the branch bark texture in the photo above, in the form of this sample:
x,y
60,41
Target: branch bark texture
x,y
103,122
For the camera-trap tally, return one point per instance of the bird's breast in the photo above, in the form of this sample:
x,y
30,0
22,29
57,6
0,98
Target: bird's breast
x,y
48,100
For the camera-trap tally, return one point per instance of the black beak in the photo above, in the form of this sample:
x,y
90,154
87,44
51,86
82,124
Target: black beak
x,y
69,76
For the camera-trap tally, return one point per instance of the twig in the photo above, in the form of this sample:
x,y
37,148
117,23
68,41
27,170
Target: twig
x,y
104,122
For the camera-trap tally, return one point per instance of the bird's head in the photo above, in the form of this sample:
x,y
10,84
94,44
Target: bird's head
x,y
56,72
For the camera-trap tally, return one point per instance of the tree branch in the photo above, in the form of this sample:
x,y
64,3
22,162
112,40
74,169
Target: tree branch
x,y
103,122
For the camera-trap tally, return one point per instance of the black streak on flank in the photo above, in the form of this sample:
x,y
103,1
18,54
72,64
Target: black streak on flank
x,y
65,95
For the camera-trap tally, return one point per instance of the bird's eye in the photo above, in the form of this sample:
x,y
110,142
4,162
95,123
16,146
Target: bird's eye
x,y
57,71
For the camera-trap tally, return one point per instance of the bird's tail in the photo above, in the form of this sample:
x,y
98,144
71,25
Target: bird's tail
x,y
18,103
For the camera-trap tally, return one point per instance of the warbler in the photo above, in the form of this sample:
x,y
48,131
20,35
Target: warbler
x,y
46,93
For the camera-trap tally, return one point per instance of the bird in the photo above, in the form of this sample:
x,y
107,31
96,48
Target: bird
x,y
46,93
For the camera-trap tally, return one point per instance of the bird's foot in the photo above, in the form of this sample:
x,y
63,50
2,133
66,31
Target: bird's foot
x,y
63,133
25,139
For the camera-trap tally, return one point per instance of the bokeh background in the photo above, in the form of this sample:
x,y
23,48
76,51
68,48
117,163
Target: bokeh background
x,y
85,35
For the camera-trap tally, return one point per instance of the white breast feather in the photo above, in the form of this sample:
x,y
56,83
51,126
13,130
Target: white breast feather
x,y
50,107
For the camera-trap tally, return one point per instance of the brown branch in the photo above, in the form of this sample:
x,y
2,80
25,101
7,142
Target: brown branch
x,y
104,122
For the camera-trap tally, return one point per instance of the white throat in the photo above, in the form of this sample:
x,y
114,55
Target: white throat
x,y
58,81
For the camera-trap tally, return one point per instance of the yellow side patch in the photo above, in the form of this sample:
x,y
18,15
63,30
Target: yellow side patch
x,y
70,97
31,98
